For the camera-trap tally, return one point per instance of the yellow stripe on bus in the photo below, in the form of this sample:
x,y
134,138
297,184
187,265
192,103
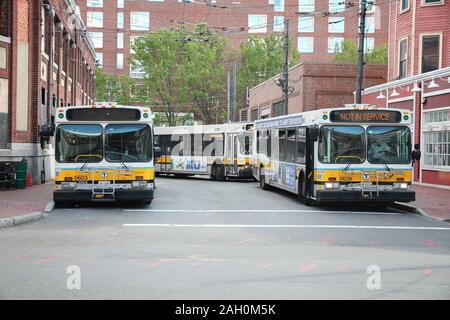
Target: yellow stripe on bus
x,y
107,175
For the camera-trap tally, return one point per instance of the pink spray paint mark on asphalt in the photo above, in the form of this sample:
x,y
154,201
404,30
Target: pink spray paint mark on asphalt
x,y
91,233
373,242
426,272
432,244
46,260
327,240
161,262
266,266
246,239
307,267
289,238
343,268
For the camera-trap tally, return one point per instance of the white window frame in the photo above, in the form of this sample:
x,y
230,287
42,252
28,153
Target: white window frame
x,y
120,4
400,57
94,3
306,5
119,61
278,7
97,39
421,35
92,21
336,6
330,39
262,23
277,26
135,20
310,48
308,28
120,40
120,20
333,27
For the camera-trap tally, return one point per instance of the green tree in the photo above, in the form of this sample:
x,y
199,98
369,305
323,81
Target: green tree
x,y
204,72
118,89
349,53
263,58
161,55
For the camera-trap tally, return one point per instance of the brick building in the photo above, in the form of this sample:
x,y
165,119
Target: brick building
x,y
45,63
419,80
318,26
315,86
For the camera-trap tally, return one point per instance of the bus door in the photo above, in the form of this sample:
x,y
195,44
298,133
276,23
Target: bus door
x,y
312,134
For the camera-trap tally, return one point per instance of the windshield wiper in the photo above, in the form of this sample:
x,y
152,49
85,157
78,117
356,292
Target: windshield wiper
x,y
387,167
347,167
83,166
124,165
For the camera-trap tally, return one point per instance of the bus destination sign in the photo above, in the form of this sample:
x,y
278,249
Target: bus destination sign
x,y
386,116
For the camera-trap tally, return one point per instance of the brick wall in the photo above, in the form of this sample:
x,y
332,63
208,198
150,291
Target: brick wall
x,y
316,86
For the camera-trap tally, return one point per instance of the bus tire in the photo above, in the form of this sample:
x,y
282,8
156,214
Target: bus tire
x,y
302,191
147,202
213,173
262,180
219,173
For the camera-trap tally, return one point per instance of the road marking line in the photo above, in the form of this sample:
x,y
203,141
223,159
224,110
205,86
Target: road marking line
x,y
286,226
257,211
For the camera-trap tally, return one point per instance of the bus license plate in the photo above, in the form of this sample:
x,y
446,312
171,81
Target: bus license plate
x,y
104,183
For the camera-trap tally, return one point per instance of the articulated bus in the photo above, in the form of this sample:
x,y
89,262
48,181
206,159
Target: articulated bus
x,y
220,151
355,153
104,152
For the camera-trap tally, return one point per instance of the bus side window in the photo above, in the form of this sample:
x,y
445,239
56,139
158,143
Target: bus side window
x,y
290,145
301,146
269,143
247,145
282,144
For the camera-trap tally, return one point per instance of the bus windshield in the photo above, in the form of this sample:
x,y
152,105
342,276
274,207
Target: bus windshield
x,y
342,144
389,145
128,143
79,143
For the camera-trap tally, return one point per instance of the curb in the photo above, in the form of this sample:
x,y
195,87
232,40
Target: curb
x,y
411,209
14,221
408,208
35,216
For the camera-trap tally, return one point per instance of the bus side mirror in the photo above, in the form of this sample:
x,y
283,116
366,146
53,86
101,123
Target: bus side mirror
x,y
47,130
314,134
157,151
415,154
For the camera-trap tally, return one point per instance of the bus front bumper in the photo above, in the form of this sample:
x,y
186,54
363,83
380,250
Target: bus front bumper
x,y
380,196
87,195
246,172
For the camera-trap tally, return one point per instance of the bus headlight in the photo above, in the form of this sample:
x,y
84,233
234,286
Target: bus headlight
x,y
400,185
331,185
68,185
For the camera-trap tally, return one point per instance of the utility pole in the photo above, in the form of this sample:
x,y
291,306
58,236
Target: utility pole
x,y
360,66
285,84
228,96
233,113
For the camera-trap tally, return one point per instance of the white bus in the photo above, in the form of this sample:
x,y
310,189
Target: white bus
x,y
104,152
220,151
355,153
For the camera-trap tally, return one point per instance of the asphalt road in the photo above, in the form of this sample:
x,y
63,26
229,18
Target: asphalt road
x,y
226,240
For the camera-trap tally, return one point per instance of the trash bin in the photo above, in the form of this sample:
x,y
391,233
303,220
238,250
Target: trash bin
x,y
21,174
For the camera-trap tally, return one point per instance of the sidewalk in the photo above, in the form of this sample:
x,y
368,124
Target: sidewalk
x,y
19,202
434,201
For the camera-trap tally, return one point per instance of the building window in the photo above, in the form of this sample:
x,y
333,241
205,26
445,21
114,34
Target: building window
x,y
430,52
139,20
97,39
306,24
437,149
278,24
95,19
99,59
94,3
132,40
370,25
120,22
257,23
136,71
335,44
306,6
369,44
306,44
4,18
432,1
120,61
404,5
120,4
437,116
336,24
120,40
403,59
278,5
336,6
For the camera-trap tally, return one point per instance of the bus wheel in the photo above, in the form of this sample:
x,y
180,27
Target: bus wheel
x,y
262,180
219,173
213,172
147,202
302,191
